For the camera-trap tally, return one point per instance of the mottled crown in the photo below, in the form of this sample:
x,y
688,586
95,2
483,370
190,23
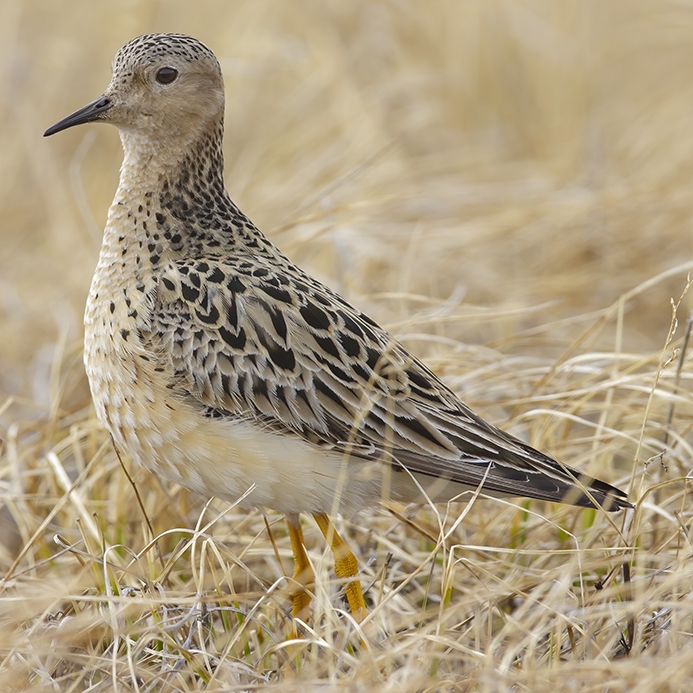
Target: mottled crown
x,y
145,49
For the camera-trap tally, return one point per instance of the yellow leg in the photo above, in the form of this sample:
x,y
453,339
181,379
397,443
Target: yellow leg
x,y
345,566
303,573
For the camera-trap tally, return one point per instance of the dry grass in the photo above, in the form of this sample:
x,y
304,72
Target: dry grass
x,y
505,185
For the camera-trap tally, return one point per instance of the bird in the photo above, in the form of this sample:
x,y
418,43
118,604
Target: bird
x,y
220,365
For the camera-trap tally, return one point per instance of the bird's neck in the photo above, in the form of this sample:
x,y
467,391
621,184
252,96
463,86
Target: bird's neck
x,y
158,164
168,203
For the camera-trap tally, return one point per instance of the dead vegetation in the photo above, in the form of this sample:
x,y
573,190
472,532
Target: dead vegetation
x,y
506,186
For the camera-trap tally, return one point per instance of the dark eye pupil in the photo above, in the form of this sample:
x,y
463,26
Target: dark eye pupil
x,y
166,75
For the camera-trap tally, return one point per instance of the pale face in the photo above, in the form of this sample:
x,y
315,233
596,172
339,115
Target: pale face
x,y
164,89
165,97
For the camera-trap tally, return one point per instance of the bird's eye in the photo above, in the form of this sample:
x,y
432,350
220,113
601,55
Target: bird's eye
x,y
166,75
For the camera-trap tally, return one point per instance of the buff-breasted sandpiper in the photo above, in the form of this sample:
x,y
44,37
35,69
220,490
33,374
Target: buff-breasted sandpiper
x,y
219,364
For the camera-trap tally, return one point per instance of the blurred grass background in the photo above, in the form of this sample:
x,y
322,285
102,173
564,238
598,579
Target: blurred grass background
x,y
512,154
486,178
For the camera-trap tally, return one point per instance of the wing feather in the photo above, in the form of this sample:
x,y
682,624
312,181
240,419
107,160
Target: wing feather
x,y
281,349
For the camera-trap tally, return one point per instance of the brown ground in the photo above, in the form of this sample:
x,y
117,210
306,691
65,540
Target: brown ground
x,y
506,185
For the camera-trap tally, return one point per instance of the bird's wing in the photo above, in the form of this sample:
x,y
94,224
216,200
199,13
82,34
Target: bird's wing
x,y
277,347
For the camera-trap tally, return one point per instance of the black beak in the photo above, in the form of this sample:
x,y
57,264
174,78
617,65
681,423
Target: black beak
x,y
92,111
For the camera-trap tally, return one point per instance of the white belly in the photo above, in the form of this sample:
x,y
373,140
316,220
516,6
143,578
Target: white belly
x,y
214,456
228,458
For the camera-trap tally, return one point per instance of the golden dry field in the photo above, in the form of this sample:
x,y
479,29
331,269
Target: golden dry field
x,y
507,186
